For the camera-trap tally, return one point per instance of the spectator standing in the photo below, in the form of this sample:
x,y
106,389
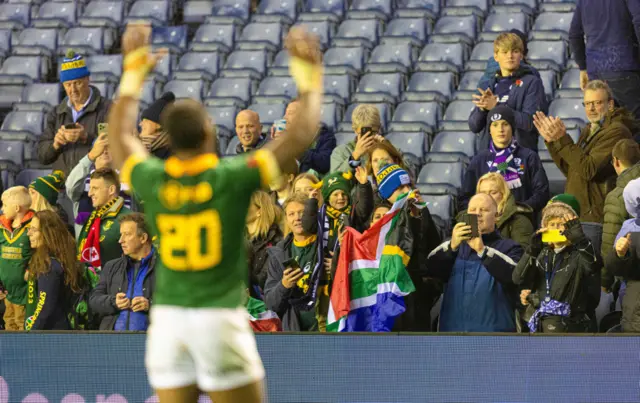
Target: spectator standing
x,y
604,38
556,276
520,167
347,157
154,138
379,210
587,164
249,131
124,293
72,126
282,190
515,86
16,253
98,241
55,277
263,232
479,295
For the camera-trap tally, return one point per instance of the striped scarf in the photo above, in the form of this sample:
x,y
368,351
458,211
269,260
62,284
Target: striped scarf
x,y
504,163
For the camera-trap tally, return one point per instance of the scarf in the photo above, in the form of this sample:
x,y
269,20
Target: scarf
x,y
550,308
504,163
91,248
333,218
161,140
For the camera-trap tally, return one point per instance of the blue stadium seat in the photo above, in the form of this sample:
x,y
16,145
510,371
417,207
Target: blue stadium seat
x,y
246,63
430,86
498,23
570,85
442,57
354,33
209,38
231,91
11,155
549,82
573,133
100,13
230,11
151,90
455,29
5,42
105,67
385,116
545,55
193,89
511,5
558,7
446,175
345,61
23,70
196,11
276,90
323,10
414,143
269,113
466,7
39,97
469,85
259,36
396,58
344,137
280,64
406,30
172,38
36,41
56,15
428,9
441,208
552,26
157,12
557,180
198,65
338,88
368,9
15,16
455,142
323,29
374,87
456,117
10,94
164,68
416,116
232,145
87,41
18,125
224,118
479,56
26,176
570,110
107,89
284,12
330,115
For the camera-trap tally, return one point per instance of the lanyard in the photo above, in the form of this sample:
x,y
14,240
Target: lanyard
x,y
548,275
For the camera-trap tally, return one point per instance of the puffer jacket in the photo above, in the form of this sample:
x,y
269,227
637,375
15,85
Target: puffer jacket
x,y
587,164
257,255
627,268
515,222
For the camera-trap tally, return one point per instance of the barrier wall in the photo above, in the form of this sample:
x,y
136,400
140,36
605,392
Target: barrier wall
x,y
109,368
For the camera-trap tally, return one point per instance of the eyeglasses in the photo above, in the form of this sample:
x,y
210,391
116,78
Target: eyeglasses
x,y
592,103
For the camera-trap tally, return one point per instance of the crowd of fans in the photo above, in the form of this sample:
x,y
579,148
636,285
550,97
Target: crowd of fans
x,y
516,258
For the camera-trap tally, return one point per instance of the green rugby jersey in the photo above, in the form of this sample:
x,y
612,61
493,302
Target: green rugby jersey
x,y
197,209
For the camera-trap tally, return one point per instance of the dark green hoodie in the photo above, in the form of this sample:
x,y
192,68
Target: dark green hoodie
x,y
16,253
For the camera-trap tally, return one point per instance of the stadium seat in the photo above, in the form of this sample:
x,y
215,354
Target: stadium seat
x,y
198,65
230,11
479,56
172,38
10,94
440,207
355,33
427,9
26,176
455,29
411,31
323,29
345,61
39,97
193,89
496,23
105,67
448,176
15,16
570,85
455,142
397,58
232,145
284,12
224,118
545,55
106,89
385,116
231,91
86,41
259,36
11,154
469,85
558,6
164,68
269,113
23,70
552,26
36,41
209,38
416,116
557,180
56,15
195,12
456,117
374,87
344,137
368,9
338,88
330,115
570,110
100,13
246,63
323,10
157,12
5,42
442,57
430,86
22,125
280,64
151,90
504,5
549,81
414,143
276,90
573,133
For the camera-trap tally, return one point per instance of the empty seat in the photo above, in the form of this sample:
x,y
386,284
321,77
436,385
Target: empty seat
x,y
529,4
107,89
22,124
230,11
198,65
469,83
246,63
280,64
354,33
456,117
87,41
429,9
344,61
448,176
385,116
196,11
479,56
150,92
105,67
330,115
570,110
15,16
497,23
344,137
416,116
11,154
552,26
39,97
23,70
224,118
36,41
338,88
394,58
549,82
557,180
259,36
276,89
558,7
56,15
156,12
269,113
374,87
441,208
406,30
547,54
231,91
10,94
323,10
442,57
26,176
232,145
367,9
414,143
186,88
5,42
455,142
453,29
466,7
279,11
172,38
323,29
430,86
214,37
99,13
570,85
164,68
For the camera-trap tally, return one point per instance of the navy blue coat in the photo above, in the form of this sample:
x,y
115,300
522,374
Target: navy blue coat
x,y
534,191
318,157
493,67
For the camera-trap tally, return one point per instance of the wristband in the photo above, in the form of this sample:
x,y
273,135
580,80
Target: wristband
x,y
136,66
307,76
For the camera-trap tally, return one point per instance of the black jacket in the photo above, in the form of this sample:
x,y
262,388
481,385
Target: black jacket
x,y
627,268
113,280
54,300
318,156
257,255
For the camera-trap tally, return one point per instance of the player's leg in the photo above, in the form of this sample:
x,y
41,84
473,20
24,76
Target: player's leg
x,y
187,394
251,393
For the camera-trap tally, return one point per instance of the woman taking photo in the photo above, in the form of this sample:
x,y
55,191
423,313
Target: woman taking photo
x,y
55,277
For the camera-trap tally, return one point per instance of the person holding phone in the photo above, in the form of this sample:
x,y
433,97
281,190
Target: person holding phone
x,y
556,270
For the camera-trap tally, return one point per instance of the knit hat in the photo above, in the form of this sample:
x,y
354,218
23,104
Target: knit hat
x,y
73,67
49,186
631,197
154,110
335,181
502,112
390,177
560,205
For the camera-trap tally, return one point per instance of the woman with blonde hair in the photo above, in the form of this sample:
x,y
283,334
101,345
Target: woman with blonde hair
x,y
263,231
513,218
44,193
307,183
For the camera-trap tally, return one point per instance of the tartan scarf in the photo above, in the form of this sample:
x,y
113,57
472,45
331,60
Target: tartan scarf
x,y
503,162
91,248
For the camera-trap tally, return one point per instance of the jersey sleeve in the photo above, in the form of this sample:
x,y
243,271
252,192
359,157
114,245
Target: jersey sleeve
x,y
253,171
141,173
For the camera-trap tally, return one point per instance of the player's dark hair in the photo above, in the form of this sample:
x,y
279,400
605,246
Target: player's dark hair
x,y
187,123
109,175
141,224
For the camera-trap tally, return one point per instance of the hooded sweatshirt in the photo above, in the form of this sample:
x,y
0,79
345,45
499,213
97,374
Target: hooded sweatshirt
x,y
16,253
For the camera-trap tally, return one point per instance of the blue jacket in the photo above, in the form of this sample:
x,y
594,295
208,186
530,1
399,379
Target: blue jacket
x,y
129,320
493,67
534,191
480,295
318,157
611,30
525,98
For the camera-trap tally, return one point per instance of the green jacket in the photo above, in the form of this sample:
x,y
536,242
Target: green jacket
x,y
514,223
16,253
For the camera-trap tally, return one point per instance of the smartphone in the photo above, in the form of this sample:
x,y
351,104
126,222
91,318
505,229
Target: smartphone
x,y
472,221
70,126
366,130
553,235
291,263
102,127
344,219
